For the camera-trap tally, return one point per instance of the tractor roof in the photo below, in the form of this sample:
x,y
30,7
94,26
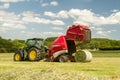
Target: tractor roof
x,y
36,39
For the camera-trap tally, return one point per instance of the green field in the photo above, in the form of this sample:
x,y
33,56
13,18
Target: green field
x,y
104,66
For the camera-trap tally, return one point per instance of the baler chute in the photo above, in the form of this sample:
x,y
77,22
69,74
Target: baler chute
x,y
78,33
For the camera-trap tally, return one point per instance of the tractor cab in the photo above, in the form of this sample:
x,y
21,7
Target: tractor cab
x,y
36,42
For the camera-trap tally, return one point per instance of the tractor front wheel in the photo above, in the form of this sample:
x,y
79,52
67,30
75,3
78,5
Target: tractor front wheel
x,y
18,56
33,54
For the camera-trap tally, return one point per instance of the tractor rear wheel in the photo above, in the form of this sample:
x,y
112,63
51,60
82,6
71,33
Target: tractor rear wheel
x,y
18,56
63,58
34,54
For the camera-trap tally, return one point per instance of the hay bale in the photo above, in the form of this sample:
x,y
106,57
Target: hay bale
x,y
83,56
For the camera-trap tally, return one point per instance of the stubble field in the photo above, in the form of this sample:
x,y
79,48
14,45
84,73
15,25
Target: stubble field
x,y
104,66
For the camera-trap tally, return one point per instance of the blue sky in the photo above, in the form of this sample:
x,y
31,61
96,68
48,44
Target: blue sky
x,y
22,19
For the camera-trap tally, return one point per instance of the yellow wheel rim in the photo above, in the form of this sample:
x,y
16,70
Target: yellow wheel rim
x,y
17,57
32,55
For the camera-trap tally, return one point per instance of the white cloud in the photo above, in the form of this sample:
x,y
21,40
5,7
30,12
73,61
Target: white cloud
x,y
30,14
104,34
57,28
13,26
45,4
77,13
50,14
52,33
10,21
89,18
101,33
42,20
5,6
114,18
31,34
54,3
61,14
57,22
86,17
12,1
115,10
31,17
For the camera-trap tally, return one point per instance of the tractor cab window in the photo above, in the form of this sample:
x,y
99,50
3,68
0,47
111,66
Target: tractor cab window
x,y
34,42
30,42
40,43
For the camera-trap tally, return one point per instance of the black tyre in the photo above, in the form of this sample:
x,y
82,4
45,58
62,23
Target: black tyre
x,y
63,58
47,60
18,56
34,54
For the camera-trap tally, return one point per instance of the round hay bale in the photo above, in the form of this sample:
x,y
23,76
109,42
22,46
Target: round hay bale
x,y
83,56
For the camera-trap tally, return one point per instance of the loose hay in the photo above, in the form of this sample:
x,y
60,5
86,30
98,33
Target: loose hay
x,y
48,74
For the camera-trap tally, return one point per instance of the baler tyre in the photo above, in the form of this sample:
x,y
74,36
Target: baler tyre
x,y
63,58
18,56
33,54
47,60
83,56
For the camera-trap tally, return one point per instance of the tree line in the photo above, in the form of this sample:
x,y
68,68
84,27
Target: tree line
x,y
8,45
101,44
95,43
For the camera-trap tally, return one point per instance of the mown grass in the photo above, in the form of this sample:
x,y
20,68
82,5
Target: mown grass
x,y
101,68
106,53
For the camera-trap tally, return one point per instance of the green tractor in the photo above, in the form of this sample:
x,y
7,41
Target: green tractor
x,y
34,51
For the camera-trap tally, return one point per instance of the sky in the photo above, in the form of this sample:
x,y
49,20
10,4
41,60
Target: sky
x,y
23,19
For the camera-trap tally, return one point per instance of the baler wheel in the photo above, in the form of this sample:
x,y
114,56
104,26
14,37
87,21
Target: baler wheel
x,y
18,56
63,58
33,54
